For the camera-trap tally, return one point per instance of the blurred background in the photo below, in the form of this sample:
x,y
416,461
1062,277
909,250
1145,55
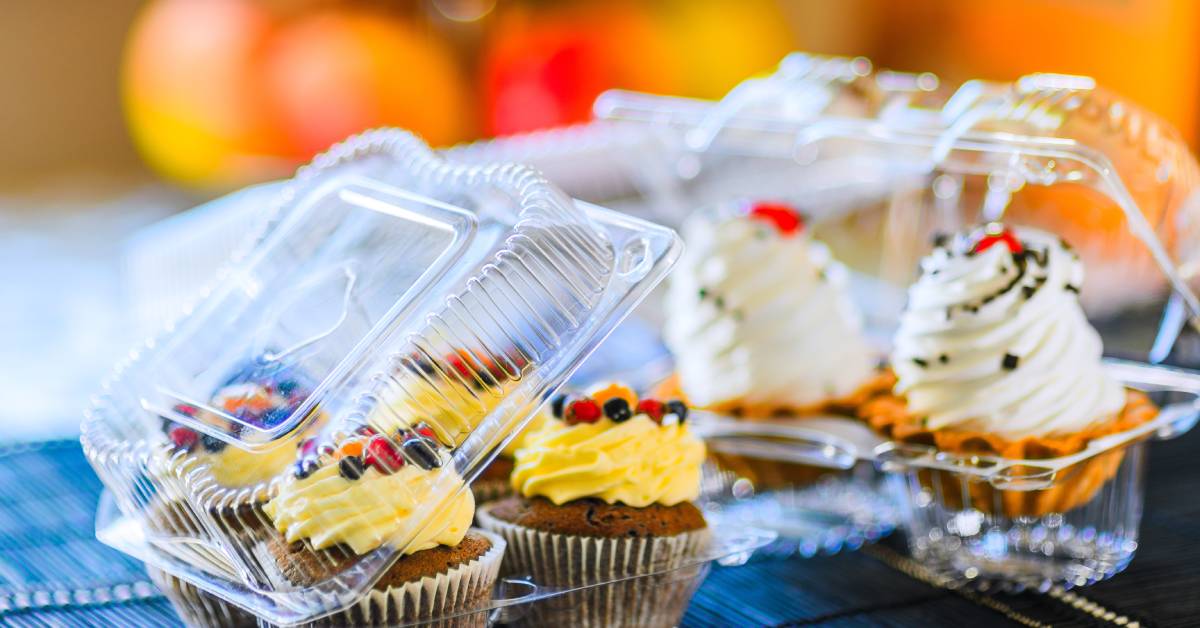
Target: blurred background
x,y
120,113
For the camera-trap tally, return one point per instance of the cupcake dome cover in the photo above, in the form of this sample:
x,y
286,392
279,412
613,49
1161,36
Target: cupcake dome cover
x,y
381,270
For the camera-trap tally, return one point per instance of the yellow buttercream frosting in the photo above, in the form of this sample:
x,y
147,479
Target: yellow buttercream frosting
x,y
637,462
374,510
535,424
236,467
451,410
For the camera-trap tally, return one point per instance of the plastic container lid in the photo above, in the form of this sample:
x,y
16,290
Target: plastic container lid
x,y
412,294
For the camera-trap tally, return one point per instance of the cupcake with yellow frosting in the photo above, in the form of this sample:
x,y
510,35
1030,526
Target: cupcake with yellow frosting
x,y
231,482
604,493
368,490
994,356
493,482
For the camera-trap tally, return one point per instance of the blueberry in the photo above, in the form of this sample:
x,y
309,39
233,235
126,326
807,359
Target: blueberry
x,y
557,405
275,416
304,468
422,453
678,408
212,444
351,467
618,410
287,387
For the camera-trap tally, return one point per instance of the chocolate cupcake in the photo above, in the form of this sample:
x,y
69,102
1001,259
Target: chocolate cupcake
x,y
603,504
228,482
369,490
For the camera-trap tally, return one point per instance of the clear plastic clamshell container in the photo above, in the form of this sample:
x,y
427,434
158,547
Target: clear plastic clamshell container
x,y
880,164
392,321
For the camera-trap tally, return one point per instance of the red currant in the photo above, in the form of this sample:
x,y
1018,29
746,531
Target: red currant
x,y
652,408
182,437
383,455
582,411
783,217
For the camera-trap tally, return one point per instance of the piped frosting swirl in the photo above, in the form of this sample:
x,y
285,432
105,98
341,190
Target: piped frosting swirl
x,y
758,314
994,339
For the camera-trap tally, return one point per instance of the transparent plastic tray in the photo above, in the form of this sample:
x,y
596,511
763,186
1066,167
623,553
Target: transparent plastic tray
x,y
1047,151
656,595
381,272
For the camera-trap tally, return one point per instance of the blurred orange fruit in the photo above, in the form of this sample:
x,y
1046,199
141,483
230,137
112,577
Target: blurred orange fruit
x,y
220,93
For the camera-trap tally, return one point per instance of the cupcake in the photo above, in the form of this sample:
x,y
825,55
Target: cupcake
x,y
365,491
604,495
762,327
994,356
230,481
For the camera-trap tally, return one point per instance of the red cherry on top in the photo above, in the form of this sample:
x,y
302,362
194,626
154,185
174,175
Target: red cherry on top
x,y
994,234
582,411
786,220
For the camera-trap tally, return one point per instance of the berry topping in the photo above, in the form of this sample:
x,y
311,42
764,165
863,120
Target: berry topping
x,y
308,446
618,410
557,405
185,409
183,438
426,431
582,411
366,430
351,467
326,450
275,416
287,387
421,452
995,233
211,444
678,408
652,408
304,467
612,391
383,455
786,220
350,447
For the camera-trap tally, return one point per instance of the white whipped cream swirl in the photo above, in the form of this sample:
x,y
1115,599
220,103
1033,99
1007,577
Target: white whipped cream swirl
x,y
998,342
761,318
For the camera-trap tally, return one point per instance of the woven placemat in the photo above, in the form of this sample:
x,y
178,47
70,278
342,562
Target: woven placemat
x,y
54,573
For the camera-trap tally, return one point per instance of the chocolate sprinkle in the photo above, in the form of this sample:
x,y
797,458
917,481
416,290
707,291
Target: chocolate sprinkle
x,y
1010,361
1070,288
941,239
920,362
943,358
1029,291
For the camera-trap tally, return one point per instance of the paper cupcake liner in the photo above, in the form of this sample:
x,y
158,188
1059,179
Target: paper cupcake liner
x,y
1073,486
454,599
848,405
609,568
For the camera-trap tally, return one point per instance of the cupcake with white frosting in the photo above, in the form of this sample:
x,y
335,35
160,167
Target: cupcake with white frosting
x,y
760,322
994,355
